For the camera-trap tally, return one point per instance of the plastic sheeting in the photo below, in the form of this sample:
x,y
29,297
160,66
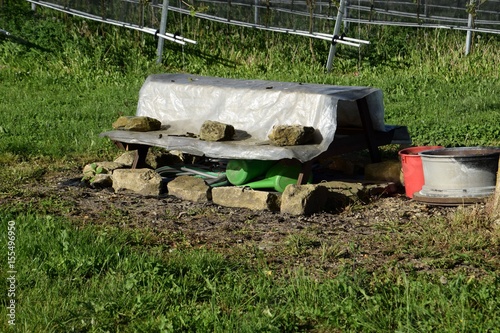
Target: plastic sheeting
x,y
182,102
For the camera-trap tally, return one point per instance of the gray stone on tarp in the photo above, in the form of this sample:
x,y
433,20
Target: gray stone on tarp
x,y
141,181
239,197
137,123
216,131
92,169
303,199
290,135
190,188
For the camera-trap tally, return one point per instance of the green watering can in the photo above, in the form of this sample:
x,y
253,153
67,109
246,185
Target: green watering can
x,y
280,176
239,172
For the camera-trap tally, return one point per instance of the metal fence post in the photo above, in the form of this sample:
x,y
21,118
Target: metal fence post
x,y
256,12
163,28
346,14
336,31
470,24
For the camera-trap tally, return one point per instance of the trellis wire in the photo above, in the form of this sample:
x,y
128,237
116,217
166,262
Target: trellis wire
x,y
311,18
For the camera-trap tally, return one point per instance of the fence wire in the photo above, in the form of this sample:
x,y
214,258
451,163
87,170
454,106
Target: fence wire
x,y
310,17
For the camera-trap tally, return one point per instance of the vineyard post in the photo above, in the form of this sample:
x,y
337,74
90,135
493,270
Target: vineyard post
x,y
163,28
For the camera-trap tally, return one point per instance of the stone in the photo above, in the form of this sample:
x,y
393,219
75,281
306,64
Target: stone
x,y
341,194
138,124
384,171
102,180
216,131
240,197
349,189
303,199
384,188
290,135
190,188
157,158
93,169
126,159
141,181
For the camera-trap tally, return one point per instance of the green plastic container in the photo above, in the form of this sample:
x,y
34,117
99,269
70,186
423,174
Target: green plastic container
x,y
280,176
239,172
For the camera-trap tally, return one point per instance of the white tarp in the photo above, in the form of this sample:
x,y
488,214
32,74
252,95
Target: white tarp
x,y
182,102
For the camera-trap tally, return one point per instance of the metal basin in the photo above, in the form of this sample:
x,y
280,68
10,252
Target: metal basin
x,y
460,172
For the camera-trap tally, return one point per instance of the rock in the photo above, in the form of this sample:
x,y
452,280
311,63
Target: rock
x,y
155,158
141,181
126,159
93,169
240,197
177,154
139,124
160,157
190,188
102,180
303,199
384,171
216,131
349,189
387,188
290,135
341,194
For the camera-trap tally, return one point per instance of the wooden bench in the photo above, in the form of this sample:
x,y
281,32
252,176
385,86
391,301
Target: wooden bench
x,y
346,119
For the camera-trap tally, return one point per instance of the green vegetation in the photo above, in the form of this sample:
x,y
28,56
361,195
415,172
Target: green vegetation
x,y
68,79
64,80
106,279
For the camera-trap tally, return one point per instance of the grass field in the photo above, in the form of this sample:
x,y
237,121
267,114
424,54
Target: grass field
x,y
98,280
64,80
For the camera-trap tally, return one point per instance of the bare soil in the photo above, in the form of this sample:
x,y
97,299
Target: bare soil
x,y
389,233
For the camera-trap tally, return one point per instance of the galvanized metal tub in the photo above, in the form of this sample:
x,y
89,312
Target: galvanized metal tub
x,y
460,172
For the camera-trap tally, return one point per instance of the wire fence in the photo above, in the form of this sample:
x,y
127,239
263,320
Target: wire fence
x,y
452,14
317,16
129,13
313,18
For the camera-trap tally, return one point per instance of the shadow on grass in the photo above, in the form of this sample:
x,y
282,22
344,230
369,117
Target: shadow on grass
x,y
5,35
209,59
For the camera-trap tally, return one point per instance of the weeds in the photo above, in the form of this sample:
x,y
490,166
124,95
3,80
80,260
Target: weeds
x,y
96,281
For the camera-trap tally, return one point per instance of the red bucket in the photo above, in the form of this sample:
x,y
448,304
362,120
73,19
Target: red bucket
x,y
413,173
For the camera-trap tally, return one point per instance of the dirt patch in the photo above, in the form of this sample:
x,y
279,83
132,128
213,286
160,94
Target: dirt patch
x,y
389,233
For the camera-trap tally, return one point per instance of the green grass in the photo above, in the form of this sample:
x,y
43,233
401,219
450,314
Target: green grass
x,y
70,79
36,123
70,88
103,279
